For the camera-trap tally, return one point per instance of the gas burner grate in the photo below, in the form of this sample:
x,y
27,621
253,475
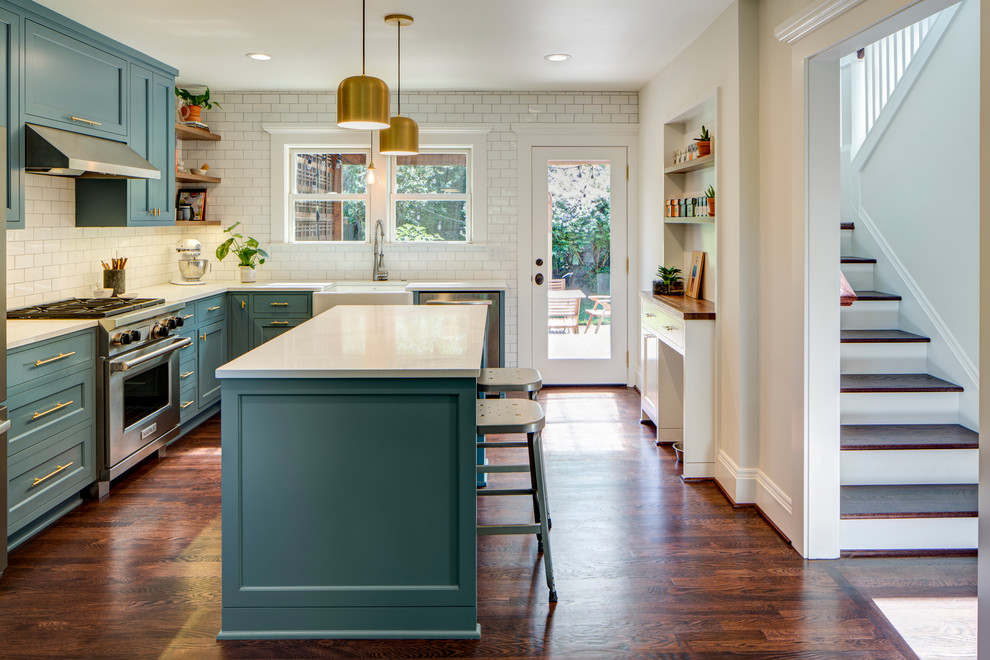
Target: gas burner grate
x,y
83,308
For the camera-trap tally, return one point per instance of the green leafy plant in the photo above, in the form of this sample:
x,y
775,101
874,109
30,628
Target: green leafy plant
x,y
202,100
249,252
705,137
710,193
669,276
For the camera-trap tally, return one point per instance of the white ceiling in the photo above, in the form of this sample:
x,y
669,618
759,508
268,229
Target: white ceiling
x,y
453,45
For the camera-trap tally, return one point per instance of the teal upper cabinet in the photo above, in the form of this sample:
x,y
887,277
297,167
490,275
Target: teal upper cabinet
x,y
73,85
10,116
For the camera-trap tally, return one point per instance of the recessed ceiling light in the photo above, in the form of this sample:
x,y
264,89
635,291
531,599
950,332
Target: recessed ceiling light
x,y
557,57
259,56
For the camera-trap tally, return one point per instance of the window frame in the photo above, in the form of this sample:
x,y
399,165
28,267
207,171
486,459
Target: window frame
x,y
292,197
394,197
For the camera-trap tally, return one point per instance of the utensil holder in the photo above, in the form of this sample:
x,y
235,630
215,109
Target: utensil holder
x,y
114,279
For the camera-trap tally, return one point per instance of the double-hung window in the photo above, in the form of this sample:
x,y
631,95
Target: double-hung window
x,y
328,199
431,196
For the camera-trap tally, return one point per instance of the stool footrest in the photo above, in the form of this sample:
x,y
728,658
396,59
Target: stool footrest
x,y
506,491
506,445
486,469
494,530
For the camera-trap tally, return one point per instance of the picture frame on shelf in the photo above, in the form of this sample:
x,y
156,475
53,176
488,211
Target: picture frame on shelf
x,y
196,198
695,273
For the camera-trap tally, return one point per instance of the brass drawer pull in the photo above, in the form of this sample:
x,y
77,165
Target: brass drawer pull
x,y
649,316
188,316
279,322
60,356
669,328
58,406
185,405
88,121
276,304
213,309
187,374
243,304
38,480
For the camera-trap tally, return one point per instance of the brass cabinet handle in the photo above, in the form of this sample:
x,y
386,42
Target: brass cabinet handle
x,y
60,356
213,309
279,322
649,316
187,374
185,404
279,304
88,121
203,337
243,304
668,328
58,406
188,316
38,480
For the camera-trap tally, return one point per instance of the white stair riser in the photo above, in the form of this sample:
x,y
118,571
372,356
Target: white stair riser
x,y
909,466
870,315
859,276
847,241
899,408
908,534
884,358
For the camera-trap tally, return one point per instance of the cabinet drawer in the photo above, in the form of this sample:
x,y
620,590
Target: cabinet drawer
x,y
187,399
282,304
50,357
663,325
189,318
210,310
39,413
48,477
187,373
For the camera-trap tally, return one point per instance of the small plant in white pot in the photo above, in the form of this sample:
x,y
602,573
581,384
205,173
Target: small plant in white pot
x,y
249,252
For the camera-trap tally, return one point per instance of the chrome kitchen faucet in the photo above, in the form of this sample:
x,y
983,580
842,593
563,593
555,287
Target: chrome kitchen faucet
x,y
379,274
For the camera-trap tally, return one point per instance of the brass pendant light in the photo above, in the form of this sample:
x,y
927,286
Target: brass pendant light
x,y
401,138
362,101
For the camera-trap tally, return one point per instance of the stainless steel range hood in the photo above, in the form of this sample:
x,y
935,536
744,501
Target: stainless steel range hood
x,y
63,153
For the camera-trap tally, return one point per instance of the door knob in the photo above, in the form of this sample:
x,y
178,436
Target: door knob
x,y
539,278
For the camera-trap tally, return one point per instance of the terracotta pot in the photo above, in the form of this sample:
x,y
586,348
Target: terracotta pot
x,y
247,274
704,147
711,207
191,112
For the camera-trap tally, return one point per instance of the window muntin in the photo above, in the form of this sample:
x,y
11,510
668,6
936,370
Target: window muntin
x,y
328,197
430,197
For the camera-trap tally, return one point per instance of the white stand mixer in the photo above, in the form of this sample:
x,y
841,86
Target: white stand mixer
x,y
191,267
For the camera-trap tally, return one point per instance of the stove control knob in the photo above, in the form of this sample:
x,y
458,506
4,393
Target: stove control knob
x,y
169,323
135,335
159,331
178,321
122,338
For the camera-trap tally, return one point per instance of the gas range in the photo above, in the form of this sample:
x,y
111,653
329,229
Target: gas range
x,y
83,308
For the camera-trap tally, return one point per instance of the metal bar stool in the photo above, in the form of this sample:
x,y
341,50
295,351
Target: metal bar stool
x,y
497,416
509,379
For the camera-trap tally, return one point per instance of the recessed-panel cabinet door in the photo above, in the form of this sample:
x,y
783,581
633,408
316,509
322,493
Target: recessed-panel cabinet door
x,y
267,329
212,354
239,319
10,117
70,84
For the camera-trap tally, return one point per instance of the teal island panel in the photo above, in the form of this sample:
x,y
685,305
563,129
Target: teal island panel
x,y
349,508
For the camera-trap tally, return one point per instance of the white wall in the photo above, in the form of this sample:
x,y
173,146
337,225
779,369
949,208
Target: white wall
x,y
241,159
724,56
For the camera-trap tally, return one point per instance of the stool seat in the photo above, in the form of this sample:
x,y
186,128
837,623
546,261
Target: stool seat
x,y
509,380
509,416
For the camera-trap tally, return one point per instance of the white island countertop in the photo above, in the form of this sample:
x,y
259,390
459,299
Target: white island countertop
x,y
373,341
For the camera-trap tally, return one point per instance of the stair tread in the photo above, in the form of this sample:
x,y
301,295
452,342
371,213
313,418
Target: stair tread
x,y
881,337
907,436
857,260
876,295
847,225
909,501
864,383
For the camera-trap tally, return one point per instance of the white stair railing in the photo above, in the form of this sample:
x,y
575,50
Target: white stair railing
x,y
885,62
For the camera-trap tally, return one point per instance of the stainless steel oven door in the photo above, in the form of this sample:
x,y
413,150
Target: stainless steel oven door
x,y
142,394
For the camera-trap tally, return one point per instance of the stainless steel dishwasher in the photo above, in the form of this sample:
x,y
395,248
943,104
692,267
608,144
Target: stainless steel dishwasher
x,y
495,349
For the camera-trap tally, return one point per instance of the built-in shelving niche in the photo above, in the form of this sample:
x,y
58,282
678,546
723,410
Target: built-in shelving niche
x,y
682,236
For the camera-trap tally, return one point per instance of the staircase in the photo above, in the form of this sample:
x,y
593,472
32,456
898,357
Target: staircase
x,y
909,471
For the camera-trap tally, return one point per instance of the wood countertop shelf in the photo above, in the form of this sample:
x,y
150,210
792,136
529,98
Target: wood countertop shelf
x,y
184,132
687,308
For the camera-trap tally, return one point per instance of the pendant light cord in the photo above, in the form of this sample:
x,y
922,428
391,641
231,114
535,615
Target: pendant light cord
x,y
398,65
364,12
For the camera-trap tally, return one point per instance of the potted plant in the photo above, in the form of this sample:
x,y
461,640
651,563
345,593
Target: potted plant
x,y
710,194
194,104
704,142
249,253
670,283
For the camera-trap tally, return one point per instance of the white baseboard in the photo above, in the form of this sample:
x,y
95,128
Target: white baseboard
x,y
773,501
739,483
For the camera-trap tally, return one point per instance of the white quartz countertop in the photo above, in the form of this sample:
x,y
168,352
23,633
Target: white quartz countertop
x,y
373,341
464,285
22,333
188,293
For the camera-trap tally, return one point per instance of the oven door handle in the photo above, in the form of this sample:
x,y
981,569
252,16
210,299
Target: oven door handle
x,y
130,364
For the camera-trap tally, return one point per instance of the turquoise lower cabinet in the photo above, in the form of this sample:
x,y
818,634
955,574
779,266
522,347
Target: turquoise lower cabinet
x,y
264,329
205,323
258,317
10,113
239,333
212,353
324,539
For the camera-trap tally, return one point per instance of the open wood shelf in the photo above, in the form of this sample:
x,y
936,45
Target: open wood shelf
x,y
197,223
692,165
696,220
189,177
184,132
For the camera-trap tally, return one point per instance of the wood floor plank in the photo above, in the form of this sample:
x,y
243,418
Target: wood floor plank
x,y
646,566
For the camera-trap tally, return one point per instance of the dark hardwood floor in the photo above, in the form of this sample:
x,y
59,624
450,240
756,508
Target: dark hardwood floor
x,y
646,566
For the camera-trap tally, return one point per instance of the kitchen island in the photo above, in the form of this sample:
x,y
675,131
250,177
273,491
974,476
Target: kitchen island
x,y
348,477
